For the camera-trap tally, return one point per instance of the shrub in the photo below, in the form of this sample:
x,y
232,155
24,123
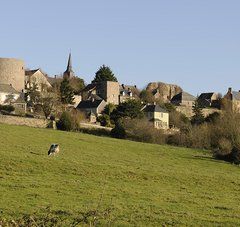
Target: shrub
x,y
143,131
96,131
233,156
178,120
198,136
7,108
225,146
118,131
77,117
65,122
213,117
104,120
226,127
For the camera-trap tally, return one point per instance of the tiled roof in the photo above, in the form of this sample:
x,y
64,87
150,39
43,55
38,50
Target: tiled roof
x,y
88,104
154,108
128,88
89,87
6,88
206,95
183,96
30,72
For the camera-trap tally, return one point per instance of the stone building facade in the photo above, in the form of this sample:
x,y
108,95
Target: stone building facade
x,y
12,72
107,90
37,77
234,98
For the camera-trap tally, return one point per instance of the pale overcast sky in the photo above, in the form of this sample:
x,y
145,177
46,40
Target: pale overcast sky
x,y
192,43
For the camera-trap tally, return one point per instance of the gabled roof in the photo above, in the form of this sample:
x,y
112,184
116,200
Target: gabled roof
x,y
183,96
89,104
154,108
31,72
89,87
128,88
206,95
95,97
6,88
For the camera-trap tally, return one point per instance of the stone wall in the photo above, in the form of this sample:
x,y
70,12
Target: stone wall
x,y
31,122
189,113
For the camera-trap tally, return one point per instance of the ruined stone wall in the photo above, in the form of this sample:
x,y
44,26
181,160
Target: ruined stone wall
x,y
189,113
31,122
165,91
12,72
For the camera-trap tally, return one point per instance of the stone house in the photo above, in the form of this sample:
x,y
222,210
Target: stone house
x,y
234,97
183,99
210,99
20,105
94,105
157,115
127,92
107,90
37,77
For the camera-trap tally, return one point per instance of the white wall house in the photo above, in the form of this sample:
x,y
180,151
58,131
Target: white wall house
x,y
8,94
157,115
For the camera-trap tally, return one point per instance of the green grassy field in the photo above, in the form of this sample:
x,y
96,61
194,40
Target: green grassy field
x,y
115,182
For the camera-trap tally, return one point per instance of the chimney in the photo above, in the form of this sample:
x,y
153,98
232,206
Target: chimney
x,y
229,90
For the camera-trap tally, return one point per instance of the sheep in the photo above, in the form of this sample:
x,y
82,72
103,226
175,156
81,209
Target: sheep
x,y
54,149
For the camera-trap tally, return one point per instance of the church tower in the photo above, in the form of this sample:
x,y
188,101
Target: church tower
x,y
69,71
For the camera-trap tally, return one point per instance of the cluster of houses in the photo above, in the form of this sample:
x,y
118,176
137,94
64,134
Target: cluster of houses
x,y
95,96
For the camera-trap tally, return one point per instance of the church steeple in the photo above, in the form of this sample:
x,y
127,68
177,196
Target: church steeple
x,y
69,71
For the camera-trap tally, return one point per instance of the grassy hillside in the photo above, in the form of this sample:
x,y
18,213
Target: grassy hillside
x,y
117,182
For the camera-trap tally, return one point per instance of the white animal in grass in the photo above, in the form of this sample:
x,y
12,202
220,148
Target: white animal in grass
x,y
54,149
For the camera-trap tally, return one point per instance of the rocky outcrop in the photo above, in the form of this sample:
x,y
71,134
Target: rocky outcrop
x,y
163,91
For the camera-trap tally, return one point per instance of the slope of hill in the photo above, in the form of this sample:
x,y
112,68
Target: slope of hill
x,y
107,181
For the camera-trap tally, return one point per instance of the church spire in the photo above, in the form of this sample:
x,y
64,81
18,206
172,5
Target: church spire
x,y
69,72
69,66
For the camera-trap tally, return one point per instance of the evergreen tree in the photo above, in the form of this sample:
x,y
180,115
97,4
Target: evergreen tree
x,y
130,109
198,117
77,84
104,74
66,92
147,96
